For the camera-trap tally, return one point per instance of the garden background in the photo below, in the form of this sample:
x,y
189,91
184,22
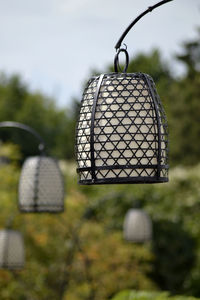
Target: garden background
x,y
81,254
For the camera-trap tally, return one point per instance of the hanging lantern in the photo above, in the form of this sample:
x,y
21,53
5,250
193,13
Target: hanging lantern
x,y
11,250
137,226
122,133
41,186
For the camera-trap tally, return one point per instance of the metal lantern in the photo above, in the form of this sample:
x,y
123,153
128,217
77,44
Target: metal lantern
x,y
137,226
122,133
41,186
11,250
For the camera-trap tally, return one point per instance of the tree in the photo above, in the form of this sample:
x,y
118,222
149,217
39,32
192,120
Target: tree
x,y
56,126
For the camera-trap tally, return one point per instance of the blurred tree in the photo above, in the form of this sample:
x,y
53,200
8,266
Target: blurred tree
x,y
70,255
185,108
57,126
134,295
174,251
174,207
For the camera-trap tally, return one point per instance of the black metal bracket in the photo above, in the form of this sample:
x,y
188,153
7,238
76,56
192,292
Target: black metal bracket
x,y
11,124
118,45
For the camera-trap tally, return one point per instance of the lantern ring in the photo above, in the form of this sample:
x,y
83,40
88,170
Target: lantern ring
x,y
116,61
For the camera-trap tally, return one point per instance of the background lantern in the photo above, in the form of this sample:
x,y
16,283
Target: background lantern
x,y
11,249
122,133
137,226
41,185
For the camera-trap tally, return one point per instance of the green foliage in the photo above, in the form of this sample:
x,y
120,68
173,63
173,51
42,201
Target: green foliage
x,y
81,254
134,295
172,243
56,126
69,256
174,208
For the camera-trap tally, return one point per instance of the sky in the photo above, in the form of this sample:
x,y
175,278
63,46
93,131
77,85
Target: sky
x,y
54,44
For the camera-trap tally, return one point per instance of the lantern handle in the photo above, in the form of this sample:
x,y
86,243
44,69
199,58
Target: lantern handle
x,y
149,9
11,124
116,60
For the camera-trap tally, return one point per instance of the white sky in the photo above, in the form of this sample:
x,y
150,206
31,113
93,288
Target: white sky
x,y
54,44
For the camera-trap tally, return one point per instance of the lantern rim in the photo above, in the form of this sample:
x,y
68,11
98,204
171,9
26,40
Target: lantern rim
x,y
125,180
139,74
35,209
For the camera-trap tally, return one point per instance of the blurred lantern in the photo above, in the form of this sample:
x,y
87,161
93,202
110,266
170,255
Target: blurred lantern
x,y
11,250
41,186
137,226
122,133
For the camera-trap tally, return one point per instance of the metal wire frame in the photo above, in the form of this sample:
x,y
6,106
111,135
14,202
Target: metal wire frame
x,y
121,112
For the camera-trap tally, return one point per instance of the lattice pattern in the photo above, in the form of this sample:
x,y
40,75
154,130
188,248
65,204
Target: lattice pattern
x,y
11,249
137,226
122,134
41,186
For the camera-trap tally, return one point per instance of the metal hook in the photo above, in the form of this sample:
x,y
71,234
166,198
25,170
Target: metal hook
x,y
116,60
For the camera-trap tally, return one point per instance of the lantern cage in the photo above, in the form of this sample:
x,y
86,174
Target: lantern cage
x,y
137,226
41,187
12,253
122,132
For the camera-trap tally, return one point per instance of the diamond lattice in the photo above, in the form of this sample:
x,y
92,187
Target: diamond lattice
x,y
130,131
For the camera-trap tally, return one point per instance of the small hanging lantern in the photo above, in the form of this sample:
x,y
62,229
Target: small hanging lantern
x,y
11,250
41,185
122,133
137,226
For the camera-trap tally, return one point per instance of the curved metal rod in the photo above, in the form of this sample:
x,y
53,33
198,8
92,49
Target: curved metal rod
x,y
149,9
27,128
